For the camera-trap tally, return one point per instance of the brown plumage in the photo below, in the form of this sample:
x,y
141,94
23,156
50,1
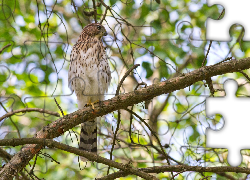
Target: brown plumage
x,y
89,76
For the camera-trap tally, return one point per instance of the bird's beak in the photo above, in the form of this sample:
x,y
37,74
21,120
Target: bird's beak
x,y
105,33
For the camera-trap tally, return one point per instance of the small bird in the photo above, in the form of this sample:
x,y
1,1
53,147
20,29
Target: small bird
x,y
89,76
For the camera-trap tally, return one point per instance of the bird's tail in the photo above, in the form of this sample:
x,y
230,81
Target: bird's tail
x,y
88,137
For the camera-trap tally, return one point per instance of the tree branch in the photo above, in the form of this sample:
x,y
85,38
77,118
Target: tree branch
x,y
29,110
180,168
125,169
94,11
56,128
106,10
5,155
89,155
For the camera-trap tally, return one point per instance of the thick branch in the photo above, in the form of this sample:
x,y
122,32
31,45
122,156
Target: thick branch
x,y
56,128
126,169
89,155
181,168
29,110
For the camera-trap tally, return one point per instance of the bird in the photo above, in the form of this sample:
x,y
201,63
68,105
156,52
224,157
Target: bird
x,y
89,77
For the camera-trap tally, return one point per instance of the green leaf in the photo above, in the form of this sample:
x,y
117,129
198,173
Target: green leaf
x,y
147,67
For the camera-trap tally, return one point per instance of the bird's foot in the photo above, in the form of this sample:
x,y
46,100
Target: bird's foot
x,y
91,103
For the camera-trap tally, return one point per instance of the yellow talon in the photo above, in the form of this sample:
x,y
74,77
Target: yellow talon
x,y
91,103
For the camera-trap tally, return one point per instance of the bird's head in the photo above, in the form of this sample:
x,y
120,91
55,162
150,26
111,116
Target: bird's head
x,y
95,30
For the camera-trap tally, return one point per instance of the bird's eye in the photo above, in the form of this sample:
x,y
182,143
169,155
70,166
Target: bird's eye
x,y
99,27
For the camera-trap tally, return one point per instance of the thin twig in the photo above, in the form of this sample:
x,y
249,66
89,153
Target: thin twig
x,y
210,85
94,10
210,44
106,9
246,76
208,50
8,45
29,110
124,77
205,178
59,106
18,132
114,139
130,124
227,59
103,3
104,15
77,13
156,137
32,169
226,176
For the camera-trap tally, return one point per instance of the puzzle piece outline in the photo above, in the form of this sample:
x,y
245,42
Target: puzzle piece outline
x,y
221,33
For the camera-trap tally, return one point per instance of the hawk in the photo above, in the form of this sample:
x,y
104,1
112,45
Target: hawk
x,y
89,76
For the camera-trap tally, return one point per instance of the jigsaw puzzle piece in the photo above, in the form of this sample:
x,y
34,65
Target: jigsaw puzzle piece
x,y
186,128
168,64
193,122
189,157
235,114
219,29
190,48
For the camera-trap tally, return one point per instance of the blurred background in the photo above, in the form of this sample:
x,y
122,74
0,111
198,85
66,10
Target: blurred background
x,y
166,39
